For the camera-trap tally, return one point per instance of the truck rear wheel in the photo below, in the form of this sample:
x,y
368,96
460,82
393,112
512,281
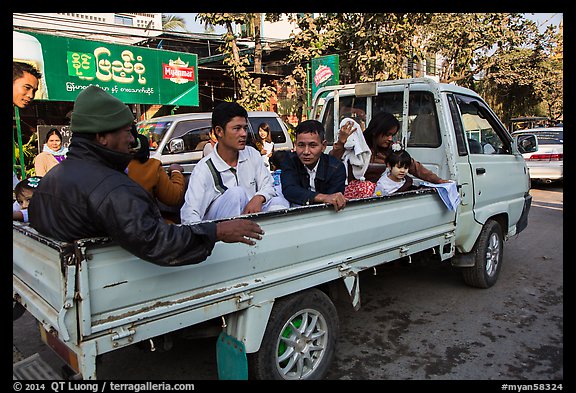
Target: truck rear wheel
x,y
300,339
488,252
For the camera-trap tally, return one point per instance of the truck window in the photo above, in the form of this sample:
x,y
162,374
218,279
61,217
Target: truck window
x,y
355,109
483,132
423,130
458,128
350,106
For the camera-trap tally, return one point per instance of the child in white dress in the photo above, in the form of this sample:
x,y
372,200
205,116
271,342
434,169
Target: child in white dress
x,y
395,178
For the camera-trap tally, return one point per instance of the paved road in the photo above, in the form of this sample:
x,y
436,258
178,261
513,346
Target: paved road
x,y
418,321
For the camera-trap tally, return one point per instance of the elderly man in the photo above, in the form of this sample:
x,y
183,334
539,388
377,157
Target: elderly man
x,y
89,194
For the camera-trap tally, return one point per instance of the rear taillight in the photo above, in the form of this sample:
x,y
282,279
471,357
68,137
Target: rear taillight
x,y
547,157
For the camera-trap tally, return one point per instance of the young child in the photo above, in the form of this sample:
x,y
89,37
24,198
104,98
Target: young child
x,y
276,168
23,193
395,178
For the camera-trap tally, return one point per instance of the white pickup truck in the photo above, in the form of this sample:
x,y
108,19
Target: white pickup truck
x,y
273,300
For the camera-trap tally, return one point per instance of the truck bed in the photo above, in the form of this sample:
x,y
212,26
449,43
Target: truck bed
x,y
94,292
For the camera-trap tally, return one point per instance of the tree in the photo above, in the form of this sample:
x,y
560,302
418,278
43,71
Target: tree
x,y
470,42
372,46
252,96
500,55
173,23
315,38
527,78
378,46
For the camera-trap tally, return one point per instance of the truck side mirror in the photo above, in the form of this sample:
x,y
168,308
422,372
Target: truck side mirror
x,y
527,143
176,145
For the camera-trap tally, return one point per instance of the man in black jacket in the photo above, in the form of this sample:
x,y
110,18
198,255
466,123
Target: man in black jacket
x,y
89,193
308,174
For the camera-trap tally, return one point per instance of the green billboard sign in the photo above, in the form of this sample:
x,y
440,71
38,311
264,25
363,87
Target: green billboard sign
x,y
135,75
325,72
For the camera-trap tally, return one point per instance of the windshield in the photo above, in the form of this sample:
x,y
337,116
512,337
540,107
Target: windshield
x,y
154,131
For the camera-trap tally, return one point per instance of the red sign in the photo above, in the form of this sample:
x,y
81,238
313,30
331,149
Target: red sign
x,y
178,74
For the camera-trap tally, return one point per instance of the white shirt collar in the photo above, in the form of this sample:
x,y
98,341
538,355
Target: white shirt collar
x,y
220,164
312,175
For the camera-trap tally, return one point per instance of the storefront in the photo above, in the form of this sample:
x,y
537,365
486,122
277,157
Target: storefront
x,y
142,77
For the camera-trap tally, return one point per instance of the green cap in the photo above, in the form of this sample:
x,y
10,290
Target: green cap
x,y
97,111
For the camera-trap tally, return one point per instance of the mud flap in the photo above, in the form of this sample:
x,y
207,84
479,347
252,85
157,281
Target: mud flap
x,y
231,358
352,283
523,221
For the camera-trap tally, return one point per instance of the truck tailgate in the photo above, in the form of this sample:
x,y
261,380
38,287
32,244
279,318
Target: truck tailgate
x,y
38,272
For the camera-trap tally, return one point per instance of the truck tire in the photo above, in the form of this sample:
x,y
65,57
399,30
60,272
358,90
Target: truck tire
x,y
488,253
300,339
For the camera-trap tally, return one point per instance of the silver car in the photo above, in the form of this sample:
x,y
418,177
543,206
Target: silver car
x,y
181,138
546,164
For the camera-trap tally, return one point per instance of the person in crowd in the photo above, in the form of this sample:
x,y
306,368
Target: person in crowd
x,y
208,147
308,174
395,178
23,193
379,136
25,81
233,179
52,153
89,195
149,173
276,162
264,142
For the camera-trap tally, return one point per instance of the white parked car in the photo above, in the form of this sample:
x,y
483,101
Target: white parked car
x,y
546,164
181,138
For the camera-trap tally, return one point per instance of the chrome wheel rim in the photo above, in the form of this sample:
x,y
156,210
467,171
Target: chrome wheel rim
x,y
301,345
492,254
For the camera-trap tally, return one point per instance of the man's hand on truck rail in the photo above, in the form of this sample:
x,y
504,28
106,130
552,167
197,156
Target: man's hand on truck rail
x,y
238,230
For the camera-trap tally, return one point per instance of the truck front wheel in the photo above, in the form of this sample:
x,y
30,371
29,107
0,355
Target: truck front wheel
x,y
300,339
488,252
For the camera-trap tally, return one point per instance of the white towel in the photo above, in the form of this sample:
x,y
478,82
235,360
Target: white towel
x,y
356,151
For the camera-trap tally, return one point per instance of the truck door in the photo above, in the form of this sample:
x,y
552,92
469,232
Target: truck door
x,y
499,175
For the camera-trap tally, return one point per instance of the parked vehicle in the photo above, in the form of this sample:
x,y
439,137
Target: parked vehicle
x,y
274,300
528,122
181,138
546,164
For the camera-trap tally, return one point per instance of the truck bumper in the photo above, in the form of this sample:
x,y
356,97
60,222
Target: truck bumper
x,y
33,368
523,221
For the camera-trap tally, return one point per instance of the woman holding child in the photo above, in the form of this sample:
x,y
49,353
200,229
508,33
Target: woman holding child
x,y
379,137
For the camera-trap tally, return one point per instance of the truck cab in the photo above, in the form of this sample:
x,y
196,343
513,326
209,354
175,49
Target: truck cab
x,y
451,131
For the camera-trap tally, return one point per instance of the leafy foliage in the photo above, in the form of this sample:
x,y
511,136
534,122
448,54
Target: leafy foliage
x,y
252,96
502,56
30,151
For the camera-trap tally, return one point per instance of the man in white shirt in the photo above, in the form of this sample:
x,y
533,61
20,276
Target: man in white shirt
x,y
232,179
